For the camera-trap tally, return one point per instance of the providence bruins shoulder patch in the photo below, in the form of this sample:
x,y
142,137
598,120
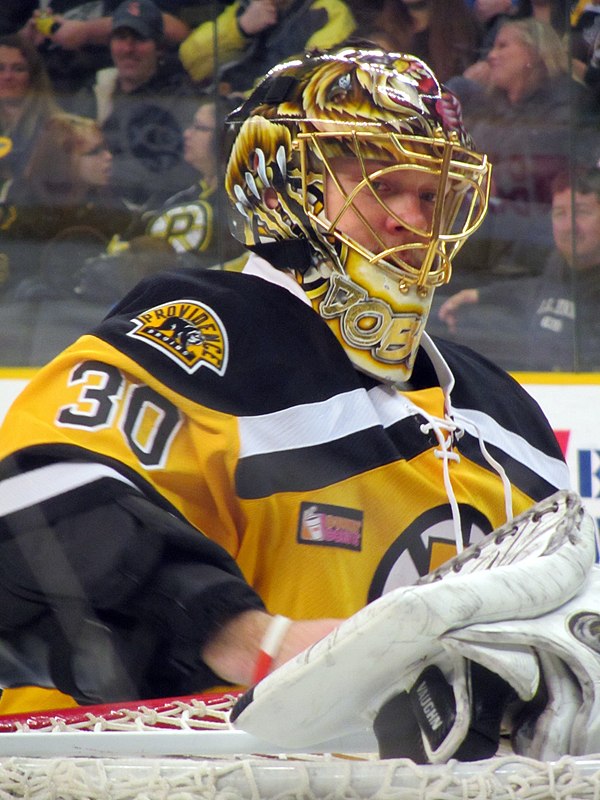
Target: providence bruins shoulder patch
x,y
186,331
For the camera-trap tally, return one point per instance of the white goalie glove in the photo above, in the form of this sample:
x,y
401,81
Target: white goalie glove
x,y
430,667
564,718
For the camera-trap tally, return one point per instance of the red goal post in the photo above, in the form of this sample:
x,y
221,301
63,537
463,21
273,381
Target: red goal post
x,y
190,726
209,711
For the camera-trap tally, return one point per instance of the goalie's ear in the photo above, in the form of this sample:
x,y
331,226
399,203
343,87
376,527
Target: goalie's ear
x,y
432,723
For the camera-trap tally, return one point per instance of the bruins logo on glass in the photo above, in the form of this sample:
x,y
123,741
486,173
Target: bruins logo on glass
x,y
188,332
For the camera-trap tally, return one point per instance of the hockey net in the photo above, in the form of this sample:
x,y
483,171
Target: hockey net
x,y
185,749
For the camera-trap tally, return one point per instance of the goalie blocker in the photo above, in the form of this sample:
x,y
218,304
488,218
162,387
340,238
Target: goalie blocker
x,y
434,669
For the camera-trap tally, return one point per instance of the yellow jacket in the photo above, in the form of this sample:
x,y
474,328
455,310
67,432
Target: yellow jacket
x,y
202,61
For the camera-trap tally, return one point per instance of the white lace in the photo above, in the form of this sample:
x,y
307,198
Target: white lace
x,y
447,431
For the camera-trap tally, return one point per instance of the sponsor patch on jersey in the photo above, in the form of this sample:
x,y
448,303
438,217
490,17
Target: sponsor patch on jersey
x,y
330,526
187,332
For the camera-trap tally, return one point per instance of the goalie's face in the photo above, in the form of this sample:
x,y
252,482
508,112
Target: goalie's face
x,y
383,213
380,207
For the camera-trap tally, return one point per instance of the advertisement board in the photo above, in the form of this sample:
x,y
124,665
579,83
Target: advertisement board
x,y
572,404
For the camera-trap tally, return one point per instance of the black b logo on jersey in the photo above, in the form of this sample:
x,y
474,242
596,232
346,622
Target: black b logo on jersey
x,y
424,545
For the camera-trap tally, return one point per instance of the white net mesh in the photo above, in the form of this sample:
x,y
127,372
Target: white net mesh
x,y
255,779
185,749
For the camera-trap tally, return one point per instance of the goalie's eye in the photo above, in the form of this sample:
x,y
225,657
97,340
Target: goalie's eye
x,y
428,196
380,186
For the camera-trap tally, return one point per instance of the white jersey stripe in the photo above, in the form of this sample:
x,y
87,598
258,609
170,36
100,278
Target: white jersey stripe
x,y
312,424
306,425
30,488
550,469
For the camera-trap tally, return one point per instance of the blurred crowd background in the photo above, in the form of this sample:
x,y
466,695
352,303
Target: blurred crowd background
x,y
111,165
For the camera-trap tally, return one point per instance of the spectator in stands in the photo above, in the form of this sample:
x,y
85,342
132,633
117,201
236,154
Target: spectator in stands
x,y
253,35
552,12
493,13
202,203
444,33
26,100
586,64
205,239
192,224
60,211
528,76
524,120
143,103
75,42
549,322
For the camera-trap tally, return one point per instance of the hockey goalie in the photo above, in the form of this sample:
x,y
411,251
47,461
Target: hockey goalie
x,y
252,478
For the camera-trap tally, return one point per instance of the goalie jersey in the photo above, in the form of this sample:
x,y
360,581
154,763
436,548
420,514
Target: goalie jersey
x,y
223,402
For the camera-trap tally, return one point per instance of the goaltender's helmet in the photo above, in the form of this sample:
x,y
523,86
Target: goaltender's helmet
x,y
321,151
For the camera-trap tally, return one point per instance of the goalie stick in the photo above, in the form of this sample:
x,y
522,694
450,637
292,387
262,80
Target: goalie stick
x,y
525,568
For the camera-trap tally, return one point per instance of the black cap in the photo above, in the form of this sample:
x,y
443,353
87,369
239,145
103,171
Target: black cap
x,y
142,16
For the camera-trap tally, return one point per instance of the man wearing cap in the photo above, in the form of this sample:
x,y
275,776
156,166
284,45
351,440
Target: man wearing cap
x,y
141,105
74,36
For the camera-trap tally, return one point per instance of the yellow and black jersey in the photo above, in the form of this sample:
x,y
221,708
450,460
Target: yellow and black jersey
x,y
224,403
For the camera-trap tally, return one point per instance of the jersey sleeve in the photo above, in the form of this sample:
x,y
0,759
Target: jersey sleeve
x,y
102,575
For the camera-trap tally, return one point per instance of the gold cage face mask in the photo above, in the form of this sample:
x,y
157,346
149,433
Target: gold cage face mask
x,y
454,182
399,208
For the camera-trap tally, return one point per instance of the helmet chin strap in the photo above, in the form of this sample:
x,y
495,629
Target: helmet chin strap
x,y
380,338
294,254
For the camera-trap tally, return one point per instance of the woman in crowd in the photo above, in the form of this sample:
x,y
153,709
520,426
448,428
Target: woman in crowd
x,y
523,119
26,100
190,229
205,240
493,13
69,162
527,61
60,210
